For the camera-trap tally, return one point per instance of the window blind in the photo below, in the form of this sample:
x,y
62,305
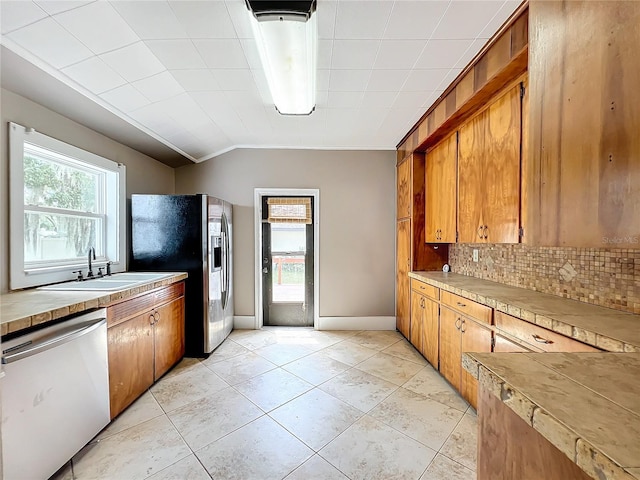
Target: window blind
x,y
289,210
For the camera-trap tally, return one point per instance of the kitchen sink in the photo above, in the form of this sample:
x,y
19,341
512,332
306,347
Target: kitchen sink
x,y
116,281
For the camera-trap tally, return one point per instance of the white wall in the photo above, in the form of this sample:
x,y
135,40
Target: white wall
x,y
357,219
144,174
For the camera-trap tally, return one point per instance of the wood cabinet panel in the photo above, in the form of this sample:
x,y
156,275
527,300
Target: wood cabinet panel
x,y
449,355
476,310
403,260
431,332
130,347
475,338
489,173
440,188
404,189
503,344
425,289
169,335
518,451
417,319
544,339
584,171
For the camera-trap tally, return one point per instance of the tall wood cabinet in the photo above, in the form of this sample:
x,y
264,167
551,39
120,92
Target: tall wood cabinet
x,y
403,259
489,172
441,191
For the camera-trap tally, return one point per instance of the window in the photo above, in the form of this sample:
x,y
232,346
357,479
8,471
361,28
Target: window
x,y
64,201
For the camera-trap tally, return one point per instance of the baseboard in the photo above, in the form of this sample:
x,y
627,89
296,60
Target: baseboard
x,y
356,323
244,322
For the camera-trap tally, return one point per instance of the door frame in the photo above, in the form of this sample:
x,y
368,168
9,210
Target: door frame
x,y
258,193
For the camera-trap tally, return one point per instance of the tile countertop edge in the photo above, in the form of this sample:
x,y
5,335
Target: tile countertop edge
x,y
590,459
596,339
62,308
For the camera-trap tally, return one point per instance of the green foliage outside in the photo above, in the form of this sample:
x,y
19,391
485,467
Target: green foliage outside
x,y
292,273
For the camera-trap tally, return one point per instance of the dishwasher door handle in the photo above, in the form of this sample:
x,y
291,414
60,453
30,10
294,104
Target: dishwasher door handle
x,y
35,348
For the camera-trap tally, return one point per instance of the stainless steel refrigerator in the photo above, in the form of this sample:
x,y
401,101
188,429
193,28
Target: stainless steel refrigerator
x,y
191,233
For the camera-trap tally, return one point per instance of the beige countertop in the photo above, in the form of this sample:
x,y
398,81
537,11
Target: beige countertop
x,y
586,404
608,329
25,308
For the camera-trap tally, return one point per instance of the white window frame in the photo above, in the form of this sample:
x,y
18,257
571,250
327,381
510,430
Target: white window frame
x,y
115,208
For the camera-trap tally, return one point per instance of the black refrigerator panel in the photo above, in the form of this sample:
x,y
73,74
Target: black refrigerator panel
x,y
168,234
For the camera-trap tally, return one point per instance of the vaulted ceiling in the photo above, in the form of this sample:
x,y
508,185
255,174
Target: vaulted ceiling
x,y
181,80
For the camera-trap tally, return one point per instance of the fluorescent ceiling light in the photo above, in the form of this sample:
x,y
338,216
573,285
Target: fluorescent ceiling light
x,y
287,45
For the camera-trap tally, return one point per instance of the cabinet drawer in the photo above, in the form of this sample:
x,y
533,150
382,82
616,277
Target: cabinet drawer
x,y
425,289
127,309
542,338
169,293
478,312
504,344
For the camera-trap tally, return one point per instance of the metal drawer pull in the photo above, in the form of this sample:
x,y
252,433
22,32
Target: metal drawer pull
x,y
461,304
540,339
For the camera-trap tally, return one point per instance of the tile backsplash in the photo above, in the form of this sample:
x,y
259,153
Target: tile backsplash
x,y
609,277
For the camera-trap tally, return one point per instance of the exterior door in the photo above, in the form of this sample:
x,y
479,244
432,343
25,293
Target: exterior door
x,y
287,263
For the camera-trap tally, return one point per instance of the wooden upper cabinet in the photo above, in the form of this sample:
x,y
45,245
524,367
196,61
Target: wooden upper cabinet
x,y
584,184
489,173
404,189
440,195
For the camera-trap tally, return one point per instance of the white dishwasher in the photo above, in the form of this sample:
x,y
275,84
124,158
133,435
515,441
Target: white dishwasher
x,y
55,395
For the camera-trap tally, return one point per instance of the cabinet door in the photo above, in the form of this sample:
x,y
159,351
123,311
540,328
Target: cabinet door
x,y
470,180
169,335
404,189
402,279
430,331
450,359
130,347
417,316
440,192
475,338
501,169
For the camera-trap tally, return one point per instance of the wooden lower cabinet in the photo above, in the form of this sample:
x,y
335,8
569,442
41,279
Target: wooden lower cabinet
x,y
430,331
130,347
145,338
459,334
417,321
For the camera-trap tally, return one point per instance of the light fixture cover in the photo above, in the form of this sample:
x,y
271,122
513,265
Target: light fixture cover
x,y
287,45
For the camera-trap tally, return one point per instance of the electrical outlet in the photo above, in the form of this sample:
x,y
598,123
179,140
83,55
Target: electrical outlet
x,y
475,255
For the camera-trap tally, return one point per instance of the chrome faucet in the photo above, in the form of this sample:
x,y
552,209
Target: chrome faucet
x,y
91,251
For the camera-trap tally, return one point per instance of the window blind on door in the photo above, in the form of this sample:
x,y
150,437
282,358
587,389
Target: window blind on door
x,y
289,210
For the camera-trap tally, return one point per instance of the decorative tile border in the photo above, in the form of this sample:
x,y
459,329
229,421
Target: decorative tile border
x,y
608,277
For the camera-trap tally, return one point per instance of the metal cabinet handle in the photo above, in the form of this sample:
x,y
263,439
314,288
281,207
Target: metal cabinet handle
x,y
156,315
458,323
422,302
152,319
485,231
540,339
462,329
480,231
461,304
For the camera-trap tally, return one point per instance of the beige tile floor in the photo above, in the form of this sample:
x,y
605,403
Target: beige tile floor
x,y
294,404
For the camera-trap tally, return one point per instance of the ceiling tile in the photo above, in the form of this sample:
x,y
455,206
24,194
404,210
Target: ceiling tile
x,y
322,80
250,50
60,48
500,17
411,99
379,99
398,54
414,19
345,99
133,62
159,87
244,99
351,54
222,53
448,78
466,19
425,80
125,98
204,19
195,80
240,17
56,6
94,75
326,11
442,53
362,19
325,51
387,80
16,14
150,20
234,79
154,118
98,26
176,54
322,98
349,80
184,110
471,52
